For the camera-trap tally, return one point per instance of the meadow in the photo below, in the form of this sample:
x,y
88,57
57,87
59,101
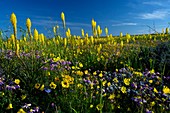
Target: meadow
x,y
84,74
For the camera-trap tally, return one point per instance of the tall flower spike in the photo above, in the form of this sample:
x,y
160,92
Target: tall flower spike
x,y
106,31
35,35
13,20
28,24
14,23
63,19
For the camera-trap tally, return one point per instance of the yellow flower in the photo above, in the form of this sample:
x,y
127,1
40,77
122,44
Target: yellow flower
x,y
155,90
166,90
150,81
17,81
48,73
82,32
86,72
94,73
42,88
28,23
9,106
53,85
21,111
152,71
108,84
99,107
80,73
56,59
23,97
104,83
73,67
63,18
2,94
123,89
126,81
115,80
35,35
104,94
13,19
97,92
152,103
100,75
68,78
65,84
91,105
37,85
112,96
80,65
71,80
79,85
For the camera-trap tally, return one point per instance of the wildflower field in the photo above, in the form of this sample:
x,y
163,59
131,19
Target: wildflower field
x,y
84,74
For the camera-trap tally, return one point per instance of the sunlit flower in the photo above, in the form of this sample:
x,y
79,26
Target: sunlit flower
x,y
112,96
79,85
155,90
94,73
126,81
28,24
21,111
150,81
63,19
104,83
152,103
115,80
80,65
17,81
152,71
86,72
42,87
100,75
65,84
9,106
123,89
53,85
82,32
37,85
48,73
80,73
35,35
166,90
23,97
91,105
56,59
108,84
13,19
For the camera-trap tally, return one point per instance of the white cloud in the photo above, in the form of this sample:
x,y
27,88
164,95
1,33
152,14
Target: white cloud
x,y
153,3
50,23
125,24
159,14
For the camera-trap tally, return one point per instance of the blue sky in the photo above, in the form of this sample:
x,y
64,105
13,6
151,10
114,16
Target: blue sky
x,y
127,16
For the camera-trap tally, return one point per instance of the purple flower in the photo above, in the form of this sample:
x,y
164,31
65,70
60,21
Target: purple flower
x,y
1,83
17,86
36,109
47,90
